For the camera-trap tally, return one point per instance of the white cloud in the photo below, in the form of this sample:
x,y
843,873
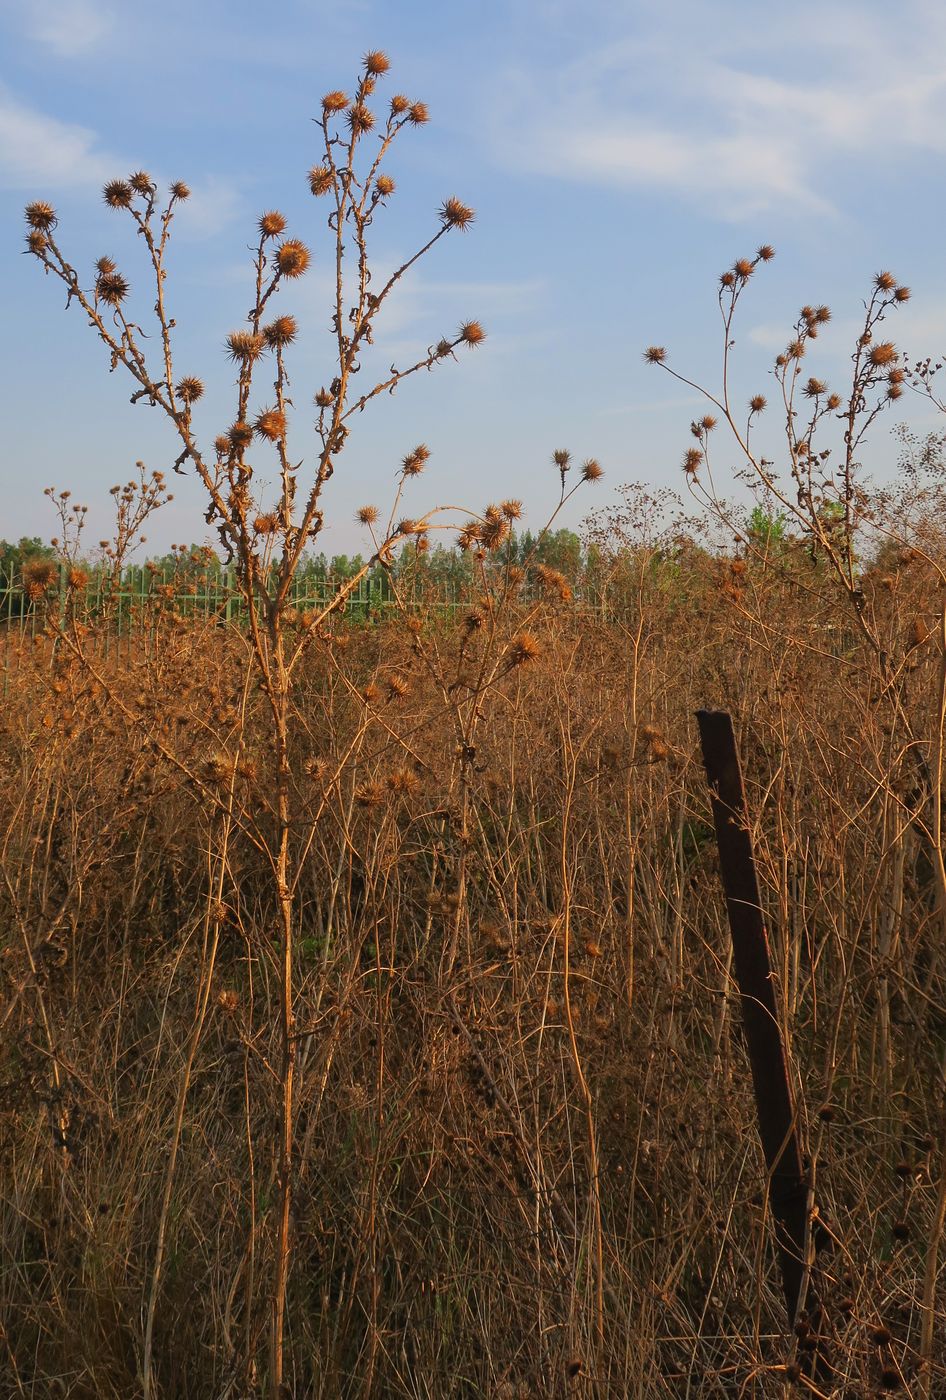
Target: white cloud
x,y
735,113
39,151
67,27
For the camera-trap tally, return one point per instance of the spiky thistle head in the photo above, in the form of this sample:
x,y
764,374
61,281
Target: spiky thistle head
x,y
455,214
367,515
655,354
271,223
190,389
512,509
142,183
882,354
280,332
418,114
591,470
40,215
180,190
240,436
692,460
766,253
376,62
413,464
335,101
384,185
292,258
360,118
245,346
472,333
111,287
757,403
321,180
399,104
885,282
271,424
117,194
523,649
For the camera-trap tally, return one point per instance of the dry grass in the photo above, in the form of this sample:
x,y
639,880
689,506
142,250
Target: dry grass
x,y
526,1162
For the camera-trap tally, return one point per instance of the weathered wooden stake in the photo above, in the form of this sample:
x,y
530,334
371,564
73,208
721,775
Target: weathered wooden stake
x,y
778,1129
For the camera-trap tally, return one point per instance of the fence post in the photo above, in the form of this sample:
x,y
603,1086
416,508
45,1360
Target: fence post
x,y
788,1185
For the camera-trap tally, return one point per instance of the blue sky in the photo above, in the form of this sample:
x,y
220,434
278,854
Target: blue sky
x,y
619,154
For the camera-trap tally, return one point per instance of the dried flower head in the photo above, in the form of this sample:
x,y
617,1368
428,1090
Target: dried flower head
x,y
833,401
766,253
384,185
367,515
553,582
40,215
271,424
179,190
360,118
369,794
324,398
456,214
292,258
266,524
245,346
112,288
728,279
822,315
472,333
117,194
413,464
418,114
221,445
39,574
885,282
240,435
523,649
795,350
141,182
280,332
591,470
757,403
334,101
399,104
814,388
190,389
403,781
376,62
902,294
37,242
561,458
744,268
493,529
320,180
272,223
512,510
692,460
882,354
398,687
76,578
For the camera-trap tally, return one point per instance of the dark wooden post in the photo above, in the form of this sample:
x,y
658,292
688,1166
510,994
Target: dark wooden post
x,y
778,1129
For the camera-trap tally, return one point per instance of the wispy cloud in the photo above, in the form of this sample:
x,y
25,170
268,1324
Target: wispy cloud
x,y
38,151
737,117
67,28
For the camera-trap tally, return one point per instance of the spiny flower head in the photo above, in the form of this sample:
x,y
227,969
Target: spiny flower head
x,y
418,114
833,401
40,215
814,388
376,62
271,424
324,398
766,253
472,333
882,354
117,194
384,185
512,510
141,182
367,515
591,470
655,354
292,258
455,214
179,190
902,294
112,288
245,346
280,332
240,435
885,282
360,118
266,524
413,463
493,529
190,389
334,101
562,458
525,648
692,460
37,242
554,582
757,403
744,268
320,180
222,444
272,223
399,104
